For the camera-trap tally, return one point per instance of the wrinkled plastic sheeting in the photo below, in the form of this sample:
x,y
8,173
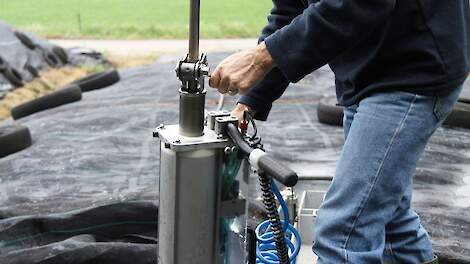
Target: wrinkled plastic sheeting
x,y
18,56
100,152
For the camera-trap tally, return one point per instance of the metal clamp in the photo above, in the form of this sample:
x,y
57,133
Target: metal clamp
x,y
221,125
192,74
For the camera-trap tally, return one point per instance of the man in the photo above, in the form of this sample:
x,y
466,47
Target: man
x,y
399,68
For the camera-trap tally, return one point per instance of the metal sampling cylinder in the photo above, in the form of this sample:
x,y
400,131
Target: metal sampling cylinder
x,y
188,215
191,114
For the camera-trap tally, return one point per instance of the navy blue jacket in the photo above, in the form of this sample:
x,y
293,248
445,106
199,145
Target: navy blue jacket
x,y
420,46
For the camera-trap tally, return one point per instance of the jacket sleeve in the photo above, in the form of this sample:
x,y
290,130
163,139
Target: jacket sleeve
x,y
322,32
261,97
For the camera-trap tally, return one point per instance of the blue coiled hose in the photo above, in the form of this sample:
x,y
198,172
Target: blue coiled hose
x,y
266,251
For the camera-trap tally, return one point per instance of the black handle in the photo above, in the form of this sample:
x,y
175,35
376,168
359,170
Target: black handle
x,y
278,171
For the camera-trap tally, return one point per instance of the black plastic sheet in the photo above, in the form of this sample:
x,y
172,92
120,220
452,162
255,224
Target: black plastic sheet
x,y
98,156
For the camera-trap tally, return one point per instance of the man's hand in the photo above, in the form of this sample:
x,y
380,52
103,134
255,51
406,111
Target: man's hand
x,y
241,71
239,110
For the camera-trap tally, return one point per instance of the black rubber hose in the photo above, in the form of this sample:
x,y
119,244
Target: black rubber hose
x,y
267,163
237,138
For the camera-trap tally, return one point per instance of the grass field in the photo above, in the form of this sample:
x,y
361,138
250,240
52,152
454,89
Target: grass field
x,y
134,19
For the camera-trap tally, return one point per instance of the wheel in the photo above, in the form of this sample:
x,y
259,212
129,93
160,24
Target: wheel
x,y
68,94
329,113
27,41
98,80
460,116
14,138
61,54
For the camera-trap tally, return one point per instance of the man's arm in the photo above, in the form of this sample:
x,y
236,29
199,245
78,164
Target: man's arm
x,y
261,96
321,33
324,31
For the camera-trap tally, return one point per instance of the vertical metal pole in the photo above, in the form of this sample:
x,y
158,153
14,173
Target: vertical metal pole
x,y
192,100
194,9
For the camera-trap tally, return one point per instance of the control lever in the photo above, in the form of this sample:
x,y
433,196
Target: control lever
x,y
261,160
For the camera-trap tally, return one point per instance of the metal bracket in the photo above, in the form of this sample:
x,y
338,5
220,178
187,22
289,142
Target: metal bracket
x,y
221,125
211,116
192,74
172,139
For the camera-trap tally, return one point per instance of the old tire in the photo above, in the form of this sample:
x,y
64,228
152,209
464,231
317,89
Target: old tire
x,y
460,116
329,113
68,94
33,71
50,58
61,54
27,41
98,80
13,76
14,138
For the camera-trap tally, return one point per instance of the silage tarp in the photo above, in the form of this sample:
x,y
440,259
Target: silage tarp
x,y
87,190
18,56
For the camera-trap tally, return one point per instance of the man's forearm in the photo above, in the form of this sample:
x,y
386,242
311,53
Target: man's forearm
x,y
262,95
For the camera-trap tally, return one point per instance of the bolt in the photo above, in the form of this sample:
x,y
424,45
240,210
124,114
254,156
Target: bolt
x,y
204,70
161,126
228,150
220,136
234,149
177,141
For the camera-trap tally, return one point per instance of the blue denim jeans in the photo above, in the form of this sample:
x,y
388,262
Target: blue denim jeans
x,y
367,216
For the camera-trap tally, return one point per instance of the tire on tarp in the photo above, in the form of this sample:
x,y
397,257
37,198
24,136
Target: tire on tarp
x,y
13,76
68,94
61,54
27,41
10,74
98,80
50,58
329,113
460,116
33,71
14,138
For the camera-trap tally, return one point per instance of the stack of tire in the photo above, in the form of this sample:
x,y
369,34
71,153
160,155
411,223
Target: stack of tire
x,y
53,56
331,114
14,138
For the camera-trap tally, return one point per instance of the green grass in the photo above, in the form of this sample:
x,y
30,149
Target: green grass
x,y
134,19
